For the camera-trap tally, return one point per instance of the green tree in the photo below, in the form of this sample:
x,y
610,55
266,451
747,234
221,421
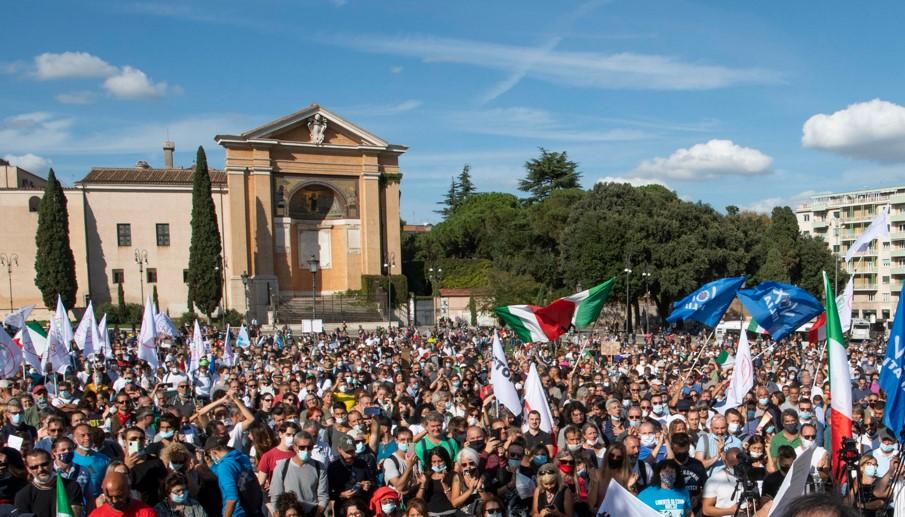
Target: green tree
x,y
120,297
54,261
466,186
205,282
450,200
780,247
154,297
549,172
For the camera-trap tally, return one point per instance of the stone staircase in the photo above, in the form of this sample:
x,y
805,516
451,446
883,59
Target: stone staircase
x,y
331,308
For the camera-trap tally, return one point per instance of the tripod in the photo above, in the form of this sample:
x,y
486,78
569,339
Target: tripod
x,y
749,497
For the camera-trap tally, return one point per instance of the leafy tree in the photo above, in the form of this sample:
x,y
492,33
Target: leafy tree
x,y
466,186
205,282
120,296
450,200
549,172
780,247
54,261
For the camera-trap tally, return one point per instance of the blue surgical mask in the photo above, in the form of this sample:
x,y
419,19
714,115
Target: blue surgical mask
x,y
539,460
360,448
403,447
166,435
514,463
887,447
179,498
439,468
16,419
805,415
658,409
870,470
763,402
304,455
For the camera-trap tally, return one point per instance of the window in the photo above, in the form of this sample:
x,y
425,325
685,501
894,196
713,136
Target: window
x,y
34,202
163,234
152,275
885,279
185,276
123,234
835,248
118,276
807,217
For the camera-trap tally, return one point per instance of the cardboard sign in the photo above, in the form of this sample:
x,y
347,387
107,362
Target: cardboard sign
x,y
610,348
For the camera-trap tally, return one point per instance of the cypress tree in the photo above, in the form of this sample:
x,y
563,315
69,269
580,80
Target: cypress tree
x,y
54,261
120,296
154,297
466,186
205,282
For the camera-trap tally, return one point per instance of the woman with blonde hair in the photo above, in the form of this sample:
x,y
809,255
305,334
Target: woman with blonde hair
x,y
552,498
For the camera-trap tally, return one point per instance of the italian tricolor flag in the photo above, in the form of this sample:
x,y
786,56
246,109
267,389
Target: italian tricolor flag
x,y
840,380
64,508
543,324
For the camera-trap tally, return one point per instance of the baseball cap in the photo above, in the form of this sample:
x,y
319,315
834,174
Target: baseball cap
x,y
346,444
40,388
5,384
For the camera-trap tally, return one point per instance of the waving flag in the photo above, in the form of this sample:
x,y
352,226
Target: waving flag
x,y
10,356
86,336
242,339
147,338
879,227
196,348
620,502
538,324
708,304
106,350
536,400
64,508
58,340
840,377
742,375
165,326
780,308
24,340
589,303
18,317
229,358
500,378
891,378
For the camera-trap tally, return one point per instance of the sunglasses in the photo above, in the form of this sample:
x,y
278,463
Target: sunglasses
x,y
46,464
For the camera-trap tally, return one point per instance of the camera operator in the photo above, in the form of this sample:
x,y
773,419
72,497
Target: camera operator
x,y
726,487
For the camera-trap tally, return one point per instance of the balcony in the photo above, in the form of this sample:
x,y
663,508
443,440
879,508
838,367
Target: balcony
x,y
897,252
897,217
897,270
897,236
820,225
897,198
865,287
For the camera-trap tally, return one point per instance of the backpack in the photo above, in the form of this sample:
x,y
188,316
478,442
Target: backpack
x,y
251,496
381,474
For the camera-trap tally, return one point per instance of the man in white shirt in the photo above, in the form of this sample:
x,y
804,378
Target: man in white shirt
x,y
722,490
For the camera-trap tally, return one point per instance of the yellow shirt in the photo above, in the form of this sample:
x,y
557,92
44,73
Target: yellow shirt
x,y
346,398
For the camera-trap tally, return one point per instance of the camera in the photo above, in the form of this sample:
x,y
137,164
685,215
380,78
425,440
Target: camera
x,y
849,451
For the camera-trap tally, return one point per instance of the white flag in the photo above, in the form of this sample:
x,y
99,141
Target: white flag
x,y
844,303
794,483
106,350
86,336
23,337
536,400
197,349
10,356
742,375
147,338
503,389
229,358
59,340
879,227
242,339
165,326
18,317
619,502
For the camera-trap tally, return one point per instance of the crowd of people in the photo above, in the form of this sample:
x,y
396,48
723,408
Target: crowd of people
x,y
403,422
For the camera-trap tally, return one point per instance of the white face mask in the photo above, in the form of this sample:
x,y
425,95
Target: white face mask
x,y
287,441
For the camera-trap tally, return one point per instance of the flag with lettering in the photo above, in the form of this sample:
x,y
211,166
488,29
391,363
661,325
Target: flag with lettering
x,y
10,356
780,308
891,378
708,304
147,337
59,340
500,378
23,339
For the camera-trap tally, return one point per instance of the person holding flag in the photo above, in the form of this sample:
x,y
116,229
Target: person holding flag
x,y
48,495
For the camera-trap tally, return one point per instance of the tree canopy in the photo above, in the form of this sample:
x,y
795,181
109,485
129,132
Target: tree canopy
x,y
54,261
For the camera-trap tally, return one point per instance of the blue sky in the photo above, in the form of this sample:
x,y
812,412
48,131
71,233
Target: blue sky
x,y
753,104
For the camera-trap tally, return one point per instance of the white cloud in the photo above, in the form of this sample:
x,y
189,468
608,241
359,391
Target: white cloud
x,y
635,182
532,123
765,206
623,70
82,97
872,130
71,64
32,132
132,83
29,162
713,159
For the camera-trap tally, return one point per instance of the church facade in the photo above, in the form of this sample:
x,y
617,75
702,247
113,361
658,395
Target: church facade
x,y
310,190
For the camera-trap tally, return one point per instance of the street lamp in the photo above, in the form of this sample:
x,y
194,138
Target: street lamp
x,y
646,277
388,265
435,276
141,258
10,261
313,263
244,277
628,310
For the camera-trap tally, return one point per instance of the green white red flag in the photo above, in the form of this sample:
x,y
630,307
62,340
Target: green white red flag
x,y
840,379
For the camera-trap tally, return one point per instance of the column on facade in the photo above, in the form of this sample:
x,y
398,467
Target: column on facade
x,y
391,220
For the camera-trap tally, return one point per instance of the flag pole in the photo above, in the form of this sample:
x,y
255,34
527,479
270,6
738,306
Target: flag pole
x,y
698,357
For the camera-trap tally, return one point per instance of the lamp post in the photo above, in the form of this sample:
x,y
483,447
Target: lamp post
x,y
628,310
10,261
646,277
389,265
435,276
313,264
244,278
141,258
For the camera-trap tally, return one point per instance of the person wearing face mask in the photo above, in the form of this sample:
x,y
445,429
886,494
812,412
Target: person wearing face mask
x,y
721,492
178,501
772,481
385,503
15,424
667,493
884,454
87,457
283,451
867,501
12,476
789,435
351,476
63,451
692,471
119,501
40,496
303,476
399,467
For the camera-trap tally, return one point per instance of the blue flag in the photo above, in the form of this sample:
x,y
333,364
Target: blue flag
x,y
708,304
891,372
780,308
